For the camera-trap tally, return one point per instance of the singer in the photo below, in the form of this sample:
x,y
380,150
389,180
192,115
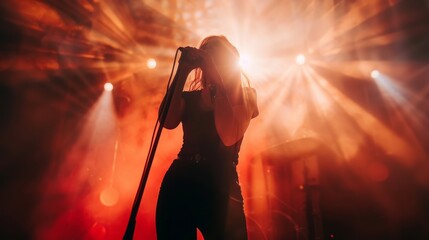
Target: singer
x,y
201,188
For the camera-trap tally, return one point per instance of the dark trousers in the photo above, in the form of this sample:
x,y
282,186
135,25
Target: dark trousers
x,y
203,194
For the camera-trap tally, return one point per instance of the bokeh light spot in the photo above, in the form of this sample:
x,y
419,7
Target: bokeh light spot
x,y
300,59
151,63
109,196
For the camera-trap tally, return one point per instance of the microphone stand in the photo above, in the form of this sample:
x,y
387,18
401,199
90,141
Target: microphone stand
x,y
137,200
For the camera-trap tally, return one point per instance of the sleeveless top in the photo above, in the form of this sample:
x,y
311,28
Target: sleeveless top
x,y
199,132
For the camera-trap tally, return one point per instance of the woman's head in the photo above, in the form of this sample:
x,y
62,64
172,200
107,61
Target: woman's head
x,y
224,55
222,51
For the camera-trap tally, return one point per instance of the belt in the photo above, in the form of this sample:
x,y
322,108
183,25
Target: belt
x,y
197,157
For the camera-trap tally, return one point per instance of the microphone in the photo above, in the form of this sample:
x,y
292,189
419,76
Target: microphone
x,y
188,55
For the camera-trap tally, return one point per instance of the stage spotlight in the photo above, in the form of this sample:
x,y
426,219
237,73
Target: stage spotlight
x,y
151,63
108,86
375,74
300,59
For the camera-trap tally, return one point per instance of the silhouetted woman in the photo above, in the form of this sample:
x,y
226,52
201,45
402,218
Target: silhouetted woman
x,y
201,188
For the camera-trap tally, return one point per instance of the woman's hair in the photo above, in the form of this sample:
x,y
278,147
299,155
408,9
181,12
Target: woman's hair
x,y
232,56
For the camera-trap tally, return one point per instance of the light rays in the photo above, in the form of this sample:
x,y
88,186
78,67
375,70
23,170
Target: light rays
x,y
391,142
401,101
349,118
69,49
82,171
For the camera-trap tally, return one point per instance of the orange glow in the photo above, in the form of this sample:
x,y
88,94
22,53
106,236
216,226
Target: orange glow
x,y
378,172
76,152
390,141
97,231
109,197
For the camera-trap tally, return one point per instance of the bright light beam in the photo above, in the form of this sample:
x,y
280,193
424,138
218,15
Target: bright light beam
x,y
402,100
388,140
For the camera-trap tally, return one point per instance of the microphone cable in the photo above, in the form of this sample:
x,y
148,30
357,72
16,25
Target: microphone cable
x,y
162,108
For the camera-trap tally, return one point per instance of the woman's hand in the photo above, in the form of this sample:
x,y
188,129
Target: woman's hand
x,y
192,58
